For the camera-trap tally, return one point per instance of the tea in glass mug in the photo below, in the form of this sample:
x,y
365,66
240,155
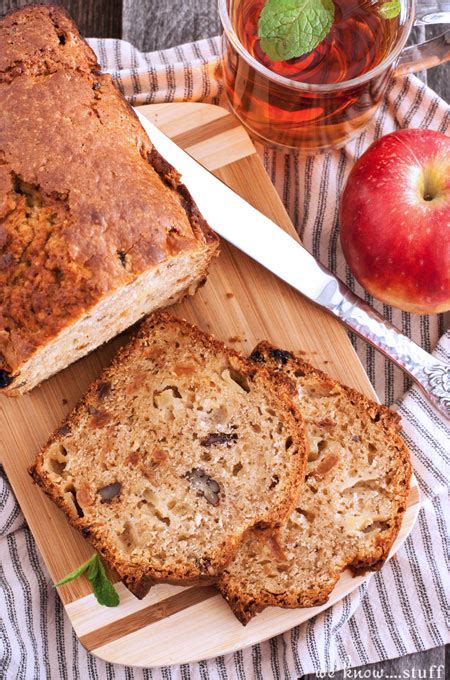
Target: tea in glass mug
x,y
322,98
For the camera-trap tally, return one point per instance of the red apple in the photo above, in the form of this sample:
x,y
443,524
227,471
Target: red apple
x,y
395,220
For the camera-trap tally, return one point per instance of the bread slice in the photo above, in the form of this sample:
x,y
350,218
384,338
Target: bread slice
x,y
175,451
96,229
349,509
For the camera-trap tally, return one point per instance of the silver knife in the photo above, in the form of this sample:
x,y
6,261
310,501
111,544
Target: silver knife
x,y
247,229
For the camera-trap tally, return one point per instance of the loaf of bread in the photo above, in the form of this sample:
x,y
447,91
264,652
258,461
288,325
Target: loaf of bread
x,y
177,449
349,510
95,228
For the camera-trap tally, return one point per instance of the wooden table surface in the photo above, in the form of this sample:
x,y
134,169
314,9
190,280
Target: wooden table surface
x,y
156,24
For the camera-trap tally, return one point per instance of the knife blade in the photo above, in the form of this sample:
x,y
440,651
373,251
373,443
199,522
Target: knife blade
x,y
236,221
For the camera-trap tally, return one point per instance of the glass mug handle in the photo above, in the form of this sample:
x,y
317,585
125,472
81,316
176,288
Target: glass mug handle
x,y
431,52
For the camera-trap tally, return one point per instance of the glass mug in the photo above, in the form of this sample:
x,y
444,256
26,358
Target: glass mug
x,y
311,117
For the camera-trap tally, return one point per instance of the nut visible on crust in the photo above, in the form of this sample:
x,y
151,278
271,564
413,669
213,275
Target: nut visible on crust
x,y
281,356
5,378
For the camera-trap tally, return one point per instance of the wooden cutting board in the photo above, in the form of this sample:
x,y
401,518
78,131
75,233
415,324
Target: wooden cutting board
x,y
241,304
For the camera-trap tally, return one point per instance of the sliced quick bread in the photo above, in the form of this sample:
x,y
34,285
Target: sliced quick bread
x,y
349,509
175,451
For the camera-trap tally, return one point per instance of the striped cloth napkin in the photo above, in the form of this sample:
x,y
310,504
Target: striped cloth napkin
x,y
403,608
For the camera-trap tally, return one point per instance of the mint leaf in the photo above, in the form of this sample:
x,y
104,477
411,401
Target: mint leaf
x,y
102,587
76,572
390,9
290,28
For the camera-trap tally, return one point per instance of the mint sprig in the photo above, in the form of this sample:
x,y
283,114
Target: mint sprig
x,y
290,28
102,587
390,9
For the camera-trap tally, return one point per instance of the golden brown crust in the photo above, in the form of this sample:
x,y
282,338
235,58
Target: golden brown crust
x,y
139,577
86,203
246,603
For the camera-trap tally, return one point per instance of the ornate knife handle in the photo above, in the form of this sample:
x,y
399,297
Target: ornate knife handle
x,y
432,376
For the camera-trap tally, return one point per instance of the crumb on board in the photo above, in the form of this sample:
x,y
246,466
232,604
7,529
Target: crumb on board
x,y
64,401
229,295
235,338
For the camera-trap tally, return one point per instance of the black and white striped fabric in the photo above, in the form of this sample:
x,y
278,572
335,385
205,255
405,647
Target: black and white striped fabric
x,y
403,608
